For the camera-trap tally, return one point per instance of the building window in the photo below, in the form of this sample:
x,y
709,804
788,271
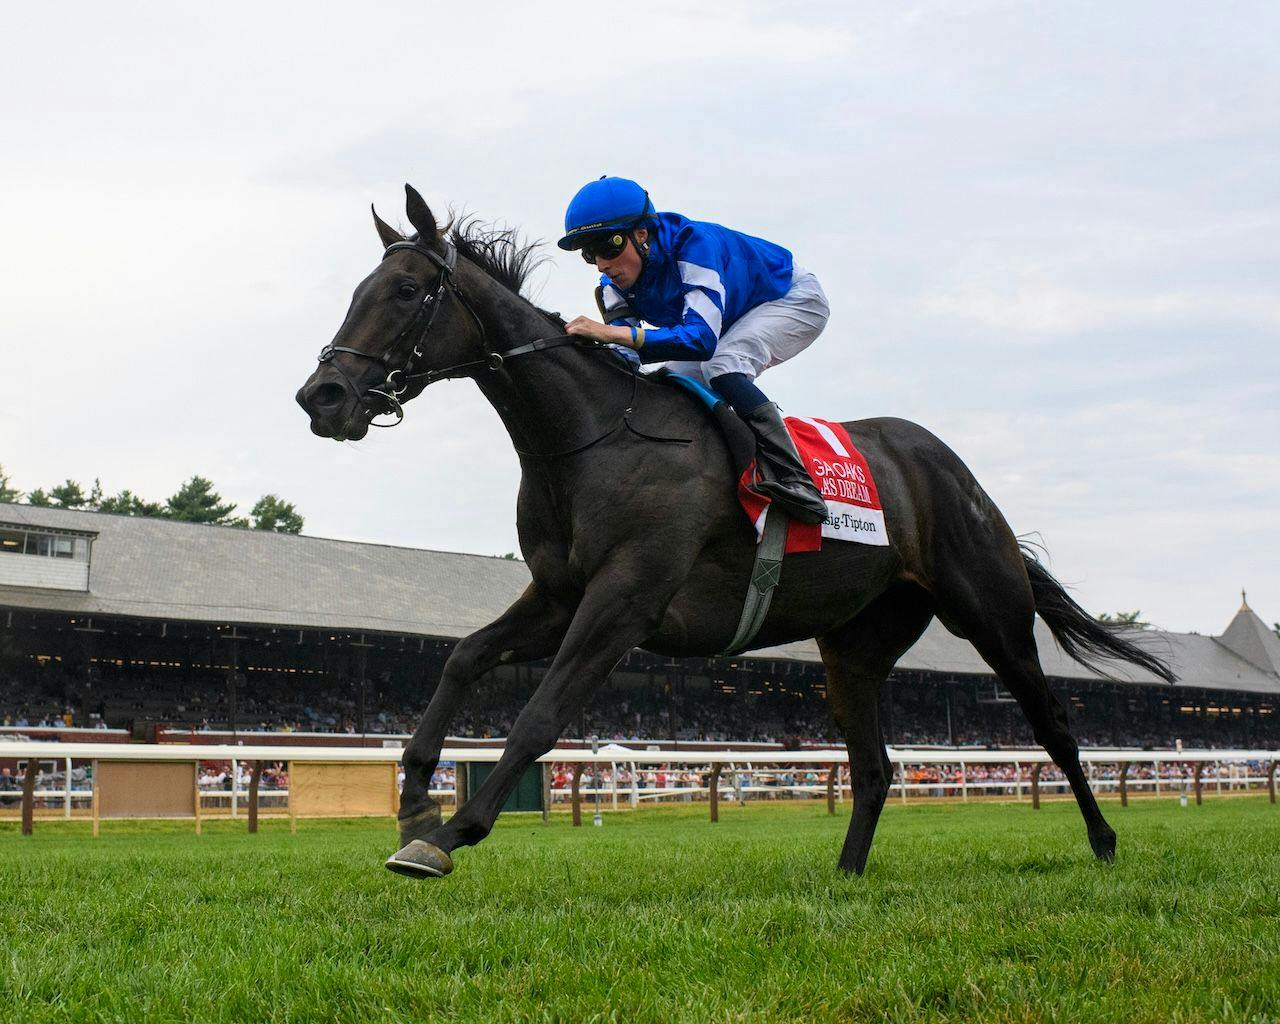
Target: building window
x,y
48,545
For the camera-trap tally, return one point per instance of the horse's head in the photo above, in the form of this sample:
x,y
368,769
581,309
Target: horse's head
x,y
408,325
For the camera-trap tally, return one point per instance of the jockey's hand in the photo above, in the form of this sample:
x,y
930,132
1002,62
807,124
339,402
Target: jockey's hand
x,y
585,327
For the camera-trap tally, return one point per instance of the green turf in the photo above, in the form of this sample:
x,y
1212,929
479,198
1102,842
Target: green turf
x,y
979,912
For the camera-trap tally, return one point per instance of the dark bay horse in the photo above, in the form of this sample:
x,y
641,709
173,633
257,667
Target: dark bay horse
x,y
631,529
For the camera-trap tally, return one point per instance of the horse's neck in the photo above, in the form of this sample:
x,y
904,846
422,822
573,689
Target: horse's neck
x,y
550,401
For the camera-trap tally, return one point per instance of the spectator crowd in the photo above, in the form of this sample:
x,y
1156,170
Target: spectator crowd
x,y
916,712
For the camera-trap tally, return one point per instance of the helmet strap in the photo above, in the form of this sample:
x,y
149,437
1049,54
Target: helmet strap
x,y
641,247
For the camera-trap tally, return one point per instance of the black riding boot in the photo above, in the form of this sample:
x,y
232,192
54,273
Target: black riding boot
x,y
783,476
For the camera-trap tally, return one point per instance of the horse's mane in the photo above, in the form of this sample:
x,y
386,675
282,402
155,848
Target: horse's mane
x,y
501,253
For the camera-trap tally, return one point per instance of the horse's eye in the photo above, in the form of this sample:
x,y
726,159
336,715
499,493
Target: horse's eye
x,y
408,290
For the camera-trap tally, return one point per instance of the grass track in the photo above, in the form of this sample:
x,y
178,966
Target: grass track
x,y
979,912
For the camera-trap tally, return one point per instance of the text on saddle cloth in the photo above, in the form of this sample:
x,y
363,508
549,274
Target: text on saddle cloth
x,y
842,476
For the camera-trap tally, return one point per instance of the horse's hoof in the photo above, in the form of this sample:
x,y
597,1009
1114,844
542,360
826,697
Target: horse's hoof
x,y
420,859
1104,846
420,825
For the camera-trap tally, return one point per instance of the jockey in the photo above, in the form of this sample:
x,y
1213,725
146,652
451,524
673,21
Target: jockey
x,y
724,306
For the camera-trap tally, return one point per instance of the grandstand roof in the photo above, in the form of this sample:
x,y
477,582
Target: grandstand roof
x,y
162,569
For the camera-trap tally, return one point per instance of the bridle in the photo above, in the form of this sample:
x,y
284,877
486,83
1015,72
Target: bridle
x,y
401,378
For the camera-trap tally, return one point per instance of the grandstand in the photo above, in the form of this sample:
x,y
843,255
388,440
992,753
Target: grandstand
x,y
135,623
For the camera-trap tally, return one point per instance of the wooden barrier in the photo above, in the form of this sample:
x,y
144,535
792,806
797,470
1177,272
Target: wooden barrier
x,y
145,789
342,789
1124,784
459,784
255,779
714,795
546,793
575,795
29,796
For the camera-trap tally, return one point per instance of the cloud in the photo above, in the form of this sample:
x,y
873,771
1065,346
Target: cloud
x,y
1041,308
1048,233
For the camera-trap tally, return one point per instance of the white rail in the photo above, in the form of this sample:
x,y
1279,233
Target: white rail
x,y
51,750
743,769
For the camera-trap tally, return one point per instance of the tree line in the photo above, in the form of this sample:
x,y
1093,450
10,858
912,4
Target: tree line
x,y
195,501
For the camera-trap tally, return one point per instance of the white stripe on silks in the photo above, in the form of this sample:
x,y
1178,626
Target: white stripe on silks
x,y
612,298
700,302
828,435
701,277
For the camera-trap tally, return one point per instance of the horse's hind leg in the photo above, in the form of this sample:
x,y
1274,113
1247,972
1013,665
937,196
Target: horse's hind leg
x,y
992,604
858,657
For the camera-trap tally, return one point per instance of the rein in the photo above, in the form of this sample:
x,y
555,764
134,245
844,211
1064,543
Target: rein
x,y
401,378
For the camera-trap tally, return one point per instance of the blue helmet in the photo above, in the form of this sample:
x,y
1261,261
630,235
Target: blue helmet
x,y
604,205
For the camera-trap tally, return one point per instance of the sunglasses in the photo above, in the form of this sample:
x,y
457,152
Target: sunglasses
x,y
604,248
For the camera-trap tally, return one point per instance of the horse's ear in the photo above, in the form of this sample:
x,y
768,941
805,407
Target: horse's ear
x,y
386,232
420,215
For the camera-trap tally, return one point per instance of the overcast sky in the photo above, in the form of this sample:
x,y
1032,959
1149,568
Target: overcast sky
x,y
1049,232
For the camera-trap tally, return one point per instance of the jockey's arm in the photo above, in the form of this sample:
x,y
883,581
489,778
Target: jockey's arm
x,y
695,337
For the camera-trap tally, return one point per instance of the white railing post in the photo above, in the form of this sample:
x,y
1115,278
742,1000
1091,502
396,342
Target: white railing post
x,y
66,796
235,786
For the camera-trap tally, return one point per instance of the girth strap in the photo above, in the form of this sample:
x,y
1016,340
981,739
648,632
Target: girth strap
x,y
765,576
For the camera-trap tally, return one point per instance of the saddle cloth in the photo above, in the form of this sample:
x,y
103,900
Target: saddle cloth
x,y
842,476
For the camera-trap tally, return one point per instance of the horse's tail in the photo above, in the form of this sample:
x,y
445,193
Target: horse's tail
x,y
1078,633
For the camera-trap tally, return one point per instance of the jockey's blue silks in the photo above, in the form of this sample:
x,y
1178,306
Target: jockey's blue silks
x,y
699,278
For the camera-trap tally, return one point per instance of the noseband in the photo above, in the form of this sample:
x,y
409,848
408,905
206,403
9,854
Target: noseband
x,y
402,378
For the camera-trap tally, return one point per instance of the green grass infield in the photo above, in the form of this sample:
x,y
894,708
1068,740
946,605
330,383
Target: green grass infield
x,y
990,912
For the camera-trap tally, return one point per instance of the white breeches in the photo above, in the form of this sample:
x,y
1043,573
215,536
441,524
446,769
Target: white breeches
x,y
767,335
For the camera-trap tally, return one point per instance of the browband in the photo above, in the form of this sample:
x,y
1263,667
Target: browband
x,y
447,262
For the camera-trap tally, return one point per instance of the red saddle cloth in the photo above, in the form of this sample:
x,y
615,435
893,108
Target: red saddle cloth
x,y
841,475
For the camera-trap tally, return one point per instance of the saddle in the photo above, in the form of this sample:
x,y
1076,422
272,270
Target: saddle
x,y
738,438
839,471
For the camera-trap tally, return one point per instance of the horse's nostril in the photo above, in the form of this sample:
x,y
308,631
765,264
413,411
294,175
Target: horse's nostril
x,y
328,396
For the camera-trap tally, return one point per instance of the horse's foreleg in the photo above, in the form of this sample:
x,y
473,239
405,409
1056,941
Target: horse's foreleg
x,y
613,617
531,628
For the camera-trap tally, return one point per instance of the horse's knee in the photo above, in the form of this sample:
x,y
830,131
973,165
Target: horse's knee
x,y
1059,745
463,662
534,733
870,787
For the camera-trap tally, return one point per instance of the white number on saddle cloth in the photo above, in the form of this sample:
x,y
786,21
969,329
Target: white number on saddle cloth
x,y
844,479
